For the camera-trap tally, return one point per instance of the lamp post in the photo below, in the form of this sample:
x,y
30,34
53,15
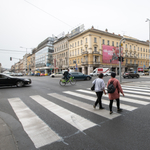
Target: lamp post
x,y
26,57
149,43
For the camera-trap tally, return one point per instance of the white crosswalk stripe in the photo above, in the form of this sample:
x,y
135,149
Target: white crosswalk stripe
x,y
106,102
136,87
75,120
85,106
38,131
122,98
139,96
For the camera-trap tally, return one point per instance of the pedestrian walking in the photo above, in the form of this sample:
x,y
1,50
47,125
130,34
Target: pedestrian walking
x,y
116,94
99,89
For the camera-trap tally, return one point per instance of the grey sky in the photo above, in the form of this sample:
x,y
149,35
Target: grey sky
x,y
26,23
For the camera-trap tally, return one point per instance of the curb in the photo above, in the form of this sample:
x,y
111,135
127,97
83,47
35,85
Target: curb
x,y
7,140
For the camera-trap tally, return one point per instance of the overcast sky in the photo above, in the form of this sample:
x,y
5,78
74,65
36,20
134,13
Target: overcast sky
x,y
26,23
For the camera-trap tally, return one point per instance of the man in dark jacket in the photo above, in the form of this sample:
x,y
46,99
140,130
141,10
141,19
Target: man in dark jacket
x,y
66,75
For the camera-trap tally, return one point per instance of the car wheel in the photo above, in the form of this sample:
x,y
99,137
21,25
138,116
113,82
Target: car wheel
x,y
88,78
19,84
137,76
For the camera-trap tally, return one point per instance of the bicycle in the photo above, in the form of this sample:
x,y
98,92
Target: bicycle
x,y
71,80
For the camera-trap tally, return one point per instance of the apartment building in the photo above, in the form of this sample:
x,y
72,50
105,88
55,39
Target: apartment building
x,y
61,54
95,48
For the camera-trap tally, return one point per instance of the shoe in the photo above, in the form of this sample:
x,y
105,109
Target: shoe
x,y
101,108
111,112
119,110
94,106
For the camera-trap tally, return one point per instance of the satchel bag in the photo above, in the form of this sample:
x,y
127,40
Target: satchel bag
x,y
93,87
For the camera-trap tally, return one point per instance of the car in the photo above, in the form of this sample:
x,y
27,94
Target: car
x,y
19,74
7,80
141,73
130,75
59,74
146,73
42,74
80,76
107,73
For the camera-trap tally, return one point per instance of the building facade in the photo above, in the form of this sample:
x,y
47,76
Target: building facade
x,y
44,56
61,54
95,48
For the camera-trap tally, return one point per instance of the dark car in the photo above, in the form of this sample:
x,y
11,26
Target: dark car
x,y
80,76
6,80
131,75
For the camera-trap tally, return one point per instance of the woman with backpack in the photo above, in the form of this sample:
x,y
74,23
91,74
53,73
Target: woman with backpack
x,y
114,92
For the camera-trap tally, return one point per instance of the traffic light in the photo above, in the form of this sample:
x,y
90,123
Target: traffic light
x,y
119,59
10,58
122,59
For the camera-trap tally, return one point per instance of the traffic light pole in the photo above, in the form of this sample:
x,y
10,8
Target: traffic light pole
x,y
120,79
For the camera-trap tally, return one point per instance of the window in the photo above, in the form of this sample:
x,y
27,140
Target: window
x,y
141,49
134,47
95,49
108,42
75,44
81,42
86,40
117,44
112,43
103,41
78,43
86,49
130,47
126,46
95,40
81,50
138,48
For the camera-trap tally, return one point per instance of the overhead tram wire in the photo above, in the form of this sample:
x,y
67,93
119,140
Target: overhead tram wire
x,y
13,51
49,14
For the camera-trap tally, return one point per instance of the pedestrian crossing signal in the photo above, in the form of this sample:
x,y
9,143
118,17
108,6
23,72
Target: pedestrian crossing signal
x,y
10,58
122,59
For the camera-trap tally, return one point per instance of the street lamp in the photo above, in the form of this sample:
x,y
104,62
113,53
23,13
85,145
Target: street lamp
x,y
149,43
26,57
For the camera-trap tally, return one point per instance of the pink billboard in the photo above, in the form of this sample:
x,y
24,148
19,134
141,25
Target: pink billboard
x,y
111,54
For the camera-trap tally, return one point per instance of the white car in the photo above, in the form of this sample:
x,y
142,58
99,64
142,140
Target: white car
x,y
59,74
141,73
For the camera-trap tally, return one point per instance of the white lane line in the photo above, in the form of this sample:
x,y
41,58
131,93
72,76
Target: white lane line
x,y
106,102
136,92
138,96
75,120
85,106
38,131
122,98
136,89
139,87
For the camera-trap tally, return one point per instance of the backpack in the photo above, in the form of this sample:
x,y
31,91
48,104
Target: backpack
x,y
111,88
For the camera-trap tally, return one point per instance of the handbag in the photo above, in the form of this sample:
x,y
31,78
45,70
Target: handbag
x,y
93,87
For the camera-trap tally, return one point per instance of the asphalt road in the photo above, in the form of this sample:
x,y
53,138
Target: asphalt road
x,y
34,112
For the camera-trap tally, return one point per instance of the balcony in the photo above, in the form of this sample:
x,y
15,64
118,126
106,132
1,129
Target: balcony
x,y
96,63
85,52
95,52
84,63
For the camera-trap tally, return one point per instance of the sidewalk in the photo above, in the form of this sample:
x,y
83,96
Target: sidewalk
x,y
7,140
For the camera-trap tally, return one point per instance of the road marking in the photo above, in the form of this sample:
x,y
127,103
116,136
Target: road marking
x,y
75,120
136,87
106,102
38,131
122,98
85,106
141,93
138,96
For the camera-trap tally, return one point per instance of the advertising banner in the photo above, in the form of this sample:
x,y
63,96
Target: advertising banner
x,y
111,54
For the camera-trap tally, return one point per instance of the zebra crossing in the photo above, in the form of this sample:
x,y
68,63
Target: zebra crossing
x,y
41,133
